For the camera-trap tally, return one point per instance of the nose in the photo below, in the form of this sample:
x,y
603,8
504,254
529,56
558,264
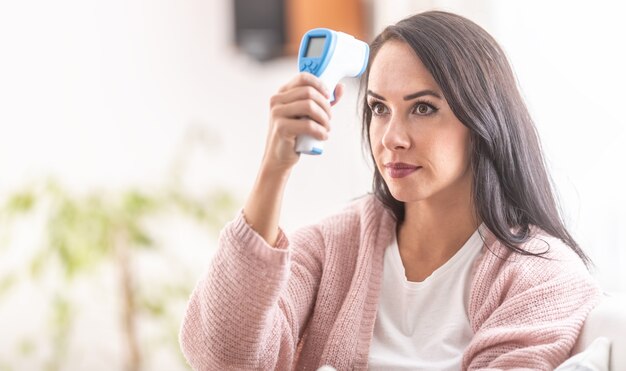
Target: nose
x,y
396,137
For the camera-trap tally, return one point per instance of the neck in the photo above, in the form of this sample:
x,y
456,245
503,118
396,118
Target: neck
x,y
435,229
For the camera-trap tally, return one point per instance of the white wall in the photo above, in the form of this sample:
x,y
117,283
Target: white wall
x,y
569,58
101,93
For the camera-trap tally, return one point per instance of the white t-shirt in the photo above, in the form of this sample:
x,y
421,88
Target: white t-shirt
x,y
424,325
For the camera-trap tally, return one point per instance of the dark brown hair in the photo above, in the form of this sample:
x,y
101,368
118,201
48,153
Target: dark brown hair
x,y
511,189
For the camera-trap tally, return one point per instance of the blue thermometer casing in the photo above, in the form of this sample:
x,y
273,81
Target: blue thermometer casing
x,y
330,55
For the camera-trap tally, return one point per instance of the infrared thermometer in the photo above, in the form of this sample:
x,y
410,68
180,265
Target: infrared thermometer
x,y
329,55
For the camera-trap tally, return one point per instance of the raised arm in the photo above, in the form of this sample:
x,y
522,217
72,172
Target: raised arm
x,y
249,310
300,107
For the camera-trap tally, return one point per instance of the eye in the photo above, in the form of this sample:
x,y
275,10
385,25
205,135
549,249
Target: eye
x,y
424,109
378,109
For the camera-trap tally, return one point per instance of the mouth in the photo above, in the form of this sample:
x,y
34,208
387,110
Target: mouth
x,y
400,169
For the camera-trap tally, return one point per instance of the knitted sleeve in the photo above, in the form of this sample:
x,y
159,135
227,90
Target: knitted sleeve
x,y
527,312
250,309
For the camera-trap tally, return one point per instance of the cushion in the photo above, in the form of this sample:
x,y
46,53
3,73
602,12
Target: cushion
x,y
594,358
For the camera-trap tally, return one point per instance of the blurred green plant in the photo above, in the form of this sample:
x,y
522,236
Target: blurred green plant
x,y
84,232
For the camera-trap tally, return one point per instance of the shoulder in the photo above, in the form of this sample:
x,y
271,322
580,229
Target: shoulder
x,y
359,218
519,302
366,207
502,274
365,221
364,210
556,257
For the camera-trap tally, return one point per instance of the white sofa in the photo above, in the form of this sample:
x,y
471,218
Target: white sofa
x,y
607,320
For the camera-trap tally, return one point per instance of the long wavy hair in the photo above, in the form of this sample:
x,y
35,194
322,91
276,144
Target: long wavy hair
x,y
511,188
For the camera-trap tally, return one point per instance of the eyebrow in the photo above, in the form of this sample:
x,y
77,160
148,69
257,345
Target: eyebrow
x,y
408,97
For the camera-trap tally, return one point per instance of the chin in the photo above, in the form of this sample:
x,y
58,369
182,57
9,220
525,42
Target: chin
x,y
407,195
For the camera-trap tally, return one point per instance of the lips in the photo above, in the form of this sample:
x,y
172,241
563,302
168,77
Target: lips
x,y
400,169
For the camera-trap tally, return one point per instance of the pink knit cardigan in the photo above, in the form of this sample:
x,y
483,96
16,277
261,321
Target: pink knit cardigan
x,y
312,300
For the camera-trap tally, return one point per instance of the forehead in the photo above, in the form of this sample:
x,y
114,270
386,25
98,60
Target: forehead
x,y
396,69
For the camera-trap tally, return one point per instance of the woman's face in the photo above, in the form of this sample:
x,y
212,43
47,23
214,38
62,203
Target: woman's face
x,y
421,149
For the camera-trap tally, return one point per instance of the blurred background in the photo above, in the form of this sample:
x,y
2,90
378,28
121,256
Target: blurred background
x,y
131,131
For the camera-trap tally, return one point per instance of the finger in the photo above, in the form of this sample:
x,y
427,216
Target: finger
x,y
293,128
339,90
303,108
306,79
302,93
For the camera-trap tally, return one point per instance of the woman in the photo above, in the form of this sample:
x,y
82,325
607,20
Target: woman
x,y
459,260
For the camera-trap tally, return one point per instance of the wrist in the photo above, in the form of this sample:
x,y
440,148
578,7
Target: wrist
x,y
273,174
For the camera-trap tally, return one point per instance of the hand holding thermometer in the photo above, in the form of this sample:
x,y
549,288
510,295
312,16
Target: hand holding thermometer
x,y
331,56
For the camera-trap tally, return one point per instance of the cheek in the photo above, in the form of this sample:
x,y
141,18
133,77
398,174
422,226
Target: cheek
x,y
445,144
454,151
